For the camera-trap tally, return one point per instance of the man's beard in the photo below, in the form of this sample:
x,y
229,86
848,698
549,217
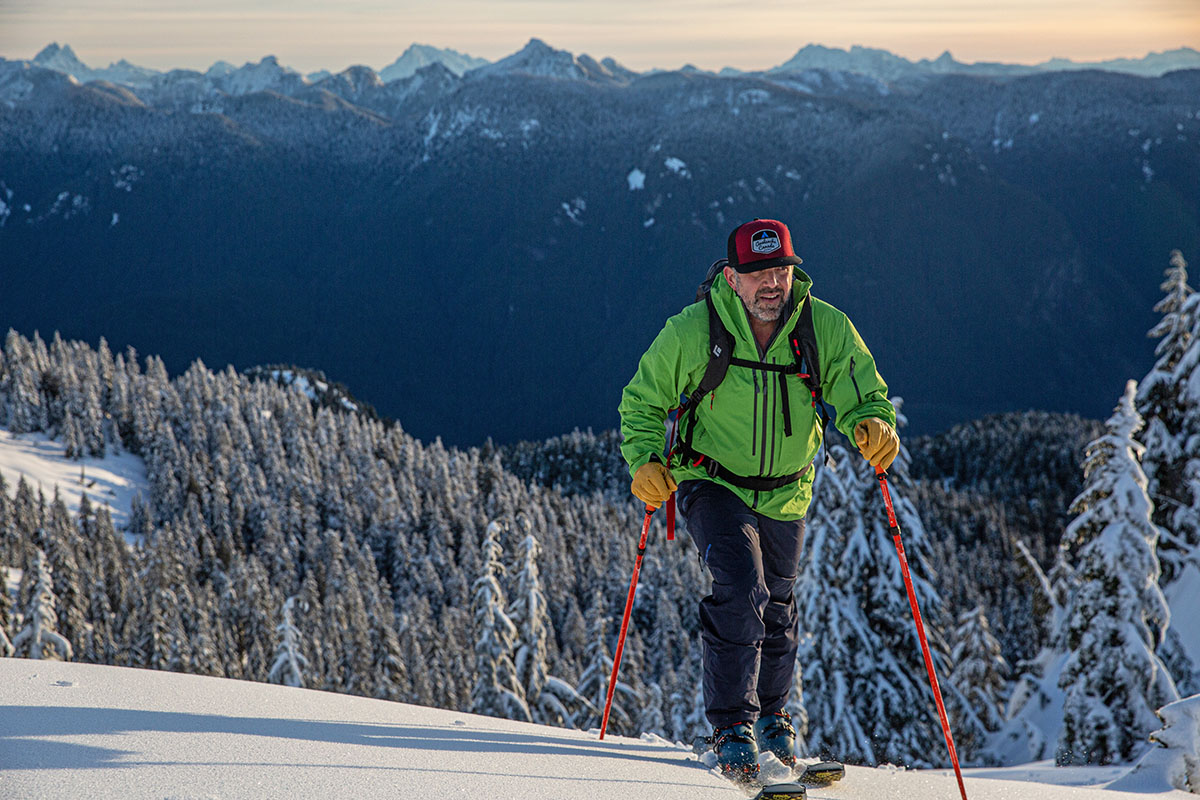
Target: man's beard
x,y
767,313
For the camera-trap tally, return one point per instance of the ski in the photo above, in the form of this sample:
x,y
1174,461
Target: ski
x,y
782,791
822,773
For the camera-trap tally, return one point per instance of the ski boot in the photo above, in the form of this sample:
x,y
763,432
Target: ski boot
x,y
737,753
775,734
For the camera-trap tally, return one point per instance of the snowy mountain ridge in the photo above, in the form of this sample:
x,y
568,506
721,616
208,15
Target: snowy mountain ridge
x,y
887,66
540,59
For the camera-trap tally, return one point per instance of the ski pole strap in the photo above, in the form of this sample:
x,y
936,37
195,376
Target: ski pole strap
x,y
671,517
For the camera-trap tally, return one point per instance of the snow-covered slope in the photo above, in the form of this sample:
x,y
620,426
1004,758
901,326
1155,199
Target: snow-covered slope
x,y
73,730
1183,597
112,481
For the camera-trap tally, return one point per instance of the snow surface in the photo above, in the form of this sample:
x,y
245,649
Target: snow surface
x,y
1177,758
112,481
78,730
1183,597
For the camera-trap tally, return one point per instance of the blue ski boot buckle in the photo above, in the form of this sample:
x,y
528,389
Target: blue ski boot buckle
x,y
775,734
737,752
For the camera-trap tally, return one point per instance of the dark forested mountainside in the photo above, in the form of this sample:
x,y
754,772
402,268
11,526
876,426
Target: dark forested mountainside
x,y
451,245
575,463
1031,463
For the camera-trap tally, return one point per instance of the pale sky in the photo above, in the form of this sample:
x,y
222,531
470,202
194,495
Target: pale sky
x,y
642,34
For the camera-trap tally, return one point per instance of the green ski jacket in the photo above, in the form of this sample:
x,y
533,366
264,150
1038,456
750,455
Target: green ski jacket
x,y
740,423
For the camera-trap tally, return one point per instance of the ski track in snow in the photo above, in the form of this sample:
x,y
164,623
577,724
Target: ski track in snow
x,y
78,730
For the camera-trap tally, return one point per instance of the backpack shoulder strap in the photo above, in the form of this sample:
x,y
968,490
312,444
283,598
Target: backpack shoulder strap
x,y
803,339
720,351
720,354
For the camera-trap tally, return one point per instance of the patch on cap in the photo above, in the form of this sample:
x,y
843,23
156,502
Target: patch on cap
x,y
765,241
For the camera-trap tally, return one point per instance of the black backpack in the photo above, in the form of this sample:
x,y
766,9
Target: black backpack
x,y
807,366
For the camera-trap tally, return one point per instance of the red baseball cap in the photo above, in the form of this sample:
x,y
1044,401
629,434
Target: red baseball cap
x,y
761,244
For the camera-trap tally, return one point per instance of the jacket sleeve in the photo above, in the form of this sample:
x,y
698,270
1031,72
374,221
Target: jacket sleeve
x,y
653,391
850,381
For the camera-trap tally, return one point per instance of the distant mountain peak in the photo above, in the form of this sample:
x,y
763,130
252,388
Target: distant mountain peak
x,y
62,59
417,56
353,81
266,75
53,50
220,68
540,59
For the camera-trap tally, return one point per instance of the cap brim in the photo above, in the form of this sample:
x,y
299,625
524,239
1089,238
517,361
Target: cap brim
x,y
768,263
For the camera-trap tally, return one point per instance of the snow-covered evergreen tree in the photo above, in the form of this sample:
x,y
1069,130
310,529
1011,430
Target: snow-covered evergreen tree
x,y
290,662
497,692
39,637
21,385
6,647
1165,401
796,708
551,700
593,683
1113,679
837,629
1032,718
651,719
980,676
529,612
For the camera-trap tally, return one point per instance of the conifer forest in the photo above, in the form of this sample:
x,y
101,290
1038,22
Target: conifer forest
x,y
305,541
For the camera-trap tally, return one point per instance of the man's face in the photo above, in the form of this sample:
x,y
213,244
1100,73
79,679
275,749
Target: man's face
x,y
764,293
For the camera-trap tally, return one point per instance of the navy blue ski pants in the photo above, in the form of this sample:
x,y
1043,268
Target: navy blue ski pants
x,y
749,624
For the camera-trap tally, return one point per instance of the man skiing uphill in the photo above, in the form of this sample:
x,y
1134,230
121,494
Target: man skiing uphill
x,y
752,360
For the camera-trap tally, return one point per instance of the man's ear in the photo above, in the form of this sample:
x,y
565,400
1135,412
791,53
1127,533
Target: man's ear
x,y
729,277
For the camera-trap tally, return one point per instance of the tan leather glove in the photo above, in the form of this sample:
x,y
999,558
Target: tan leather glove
x,y
653,484
877,441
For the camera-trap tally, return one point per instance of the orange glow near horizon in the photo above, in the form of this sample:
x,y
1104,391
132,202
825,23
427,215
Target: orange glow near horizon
x,y
642,34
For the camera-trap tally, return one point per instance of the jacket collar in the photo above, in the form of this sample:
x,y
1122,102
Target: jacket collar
x,y
733,313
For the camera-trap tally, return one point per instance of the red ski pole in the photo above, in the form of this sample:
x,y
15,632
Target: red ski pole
x,y
916,610
637,568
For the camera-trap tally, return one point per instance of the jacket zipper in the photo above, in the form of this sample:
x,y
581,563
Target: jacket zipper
x,y
774,423
754,415
762,451
855,382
